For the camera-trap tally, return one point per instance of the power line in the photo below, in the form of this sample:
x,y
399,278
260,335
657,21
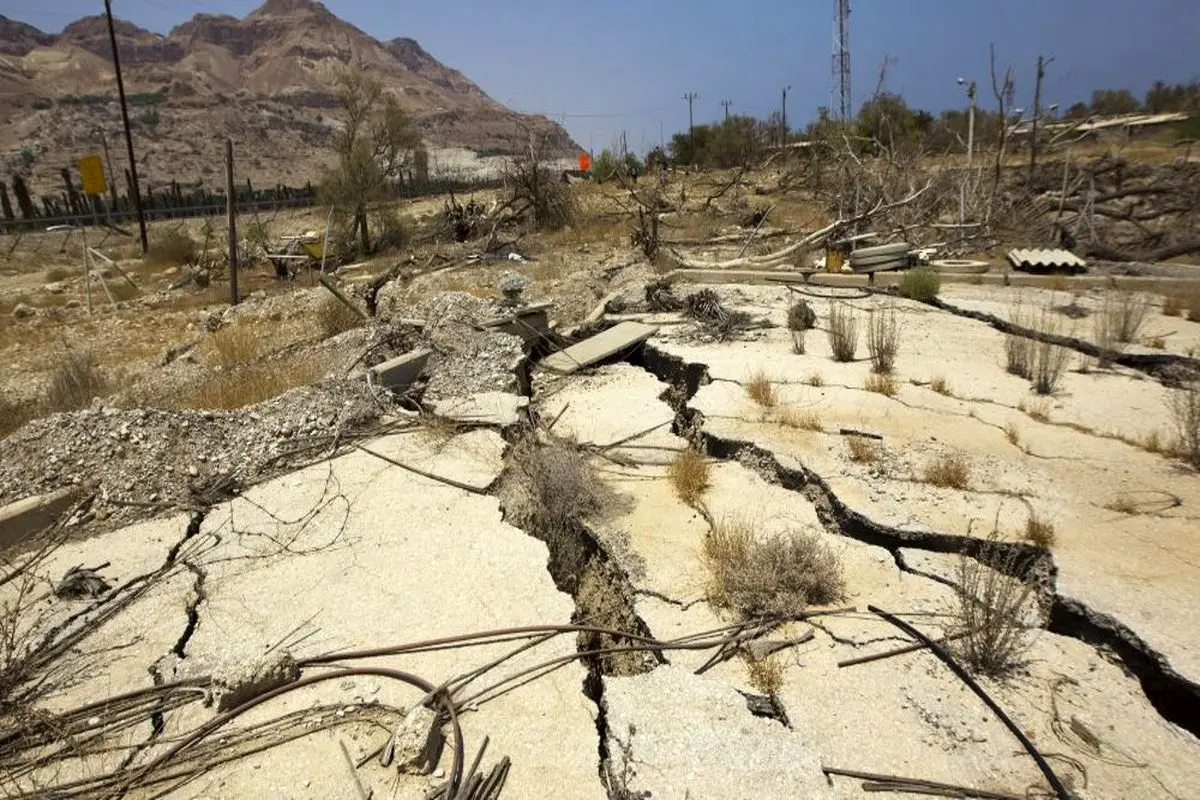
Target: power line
x,y
727,104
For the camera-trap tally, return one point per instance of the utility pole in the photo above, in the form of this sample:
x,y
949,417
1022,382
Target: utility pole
x,y
841,59
970,118
1037,111
137,197
689,97
783,122
727,104
231,218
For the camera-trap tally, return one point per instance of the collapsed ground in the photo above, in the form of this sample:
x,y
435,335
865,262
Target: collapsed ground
x,y
710,440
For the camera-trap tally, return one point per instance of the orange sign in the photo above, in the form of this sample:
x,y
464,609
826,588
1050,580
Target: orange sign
x,y
585,162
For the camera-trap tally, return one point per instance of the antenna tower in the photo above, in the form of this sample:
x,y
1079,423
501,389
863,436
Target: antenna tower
x,y
840,89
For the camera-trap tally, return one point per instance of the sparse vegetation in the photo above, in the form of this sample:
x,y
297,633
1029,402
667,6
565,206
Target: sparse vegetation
x,y
1018,353
948,471
1127,312
1012,434
690,475
765,674
801,318
333,317
862,449
758,388
883,339
1122,504
244,386
816,380
922,284
1039,531
15,413
56,274
940,386
74,382
1158,343
174,248
237,343
761,575
881,384
993,607
804,420
1038,410
1049,363
1174,304
843,332
1184,403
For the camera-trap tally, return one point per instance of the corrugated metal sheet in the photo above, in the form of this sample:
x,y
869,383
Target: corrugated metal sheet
x,y
1047,258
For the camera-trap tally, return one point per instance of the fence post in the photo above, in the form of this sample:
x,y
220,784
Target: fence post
x,y
231,214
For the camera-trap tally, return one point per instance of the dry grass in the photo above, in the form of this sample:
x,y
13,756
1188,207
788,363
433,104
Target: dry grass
x,y
14,414
816,380
1174,305
245,386
333,317
173,249
843,332
56,274
1184,404
940,386
803,420
921,284
1038,410
1152,443
74,381
992,610
883,339
948,471
1039,532
1183,302
758,388
782,573
862,449
1158,343
765,674
801,318
238,343
1012,434
690,474
881,384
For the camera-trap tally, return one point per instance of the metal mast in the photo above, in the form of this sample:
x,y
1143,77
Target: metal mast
x,y
841,108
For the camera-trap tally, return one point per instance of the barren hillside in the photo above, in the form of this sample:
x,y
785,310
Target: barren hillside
x,y
267,80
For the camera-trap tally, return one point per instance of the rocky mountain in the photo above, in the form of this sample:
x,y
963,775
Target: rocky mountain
x,y
267,80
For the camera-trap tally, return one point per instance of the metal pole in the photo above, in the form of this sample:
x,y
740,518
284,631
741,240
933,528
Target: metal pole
x,y
690,96
231,218
1037,110
970,123
137,198
783,132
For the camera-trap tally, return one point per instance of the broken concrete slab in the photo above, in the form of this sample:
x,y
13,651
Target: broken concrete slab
x,y
484,408
26,517
401,372
674,735
529,323
599,347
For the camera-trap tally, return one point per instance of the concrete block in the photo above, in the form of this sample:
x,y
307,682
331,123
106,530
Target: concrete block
x,y
26,517
402,371
598,347
528,324
487,408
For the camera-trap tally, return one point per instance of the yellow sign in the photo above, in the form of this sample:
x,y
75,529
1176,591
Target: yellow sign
x,y
91,168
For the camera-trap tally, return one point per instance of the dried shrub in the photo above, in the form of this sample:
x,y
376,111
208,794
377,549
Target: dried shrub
x,y
798,342
990,618
1158,343
862,449
15,413
1126,312
537,193
778,574
237,344
883,339
1173,305
1012,434
921,284
244,386
1122,504
948,471
816,380
174,248
881,384
56,274
75,380
1183,302
940,386
333,317
758,388
804,420
563,490
1049,363
1184,403
1039,531
801,316
1038,410
765,674
705,307
843,332
1018,349
690,475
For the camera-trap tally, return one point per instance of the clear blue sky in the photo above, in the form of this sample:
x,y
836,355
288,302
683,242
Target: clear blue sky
x,y
625,64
